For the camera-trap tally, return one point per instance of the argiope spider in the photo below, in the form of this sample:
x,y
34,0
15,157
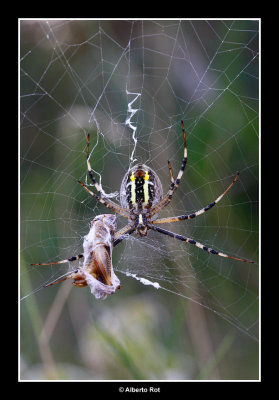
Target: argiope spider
x,y
141,199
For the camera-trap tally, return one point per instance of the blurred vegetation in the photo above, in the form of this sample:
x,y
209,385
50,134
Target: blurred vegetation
x,y
69,67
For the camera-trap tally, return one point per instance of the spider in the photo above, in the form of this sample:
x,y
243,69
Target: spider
x,y
141,198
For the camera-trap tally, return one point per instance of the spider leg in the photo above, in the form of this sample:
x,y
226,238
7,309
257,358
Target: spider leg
x,y
109,204
102,199
201,211
171,174
174,183
74,258
121,234
195,243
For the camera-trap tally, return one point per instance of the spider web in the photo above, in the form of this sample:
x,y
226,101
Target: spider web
x,y
130,83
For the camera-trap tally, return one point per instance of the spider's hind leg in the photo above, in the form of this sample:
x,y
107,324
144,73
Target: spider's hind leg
x,y
195,243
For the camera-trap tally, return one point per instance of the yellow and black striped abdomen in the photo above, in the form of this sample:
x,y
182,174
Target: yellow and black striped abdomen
x,y
140,187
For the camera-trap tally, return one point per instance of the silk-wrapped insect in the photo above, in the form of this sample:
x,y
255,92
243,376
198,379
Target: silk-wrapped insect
x,y
97,269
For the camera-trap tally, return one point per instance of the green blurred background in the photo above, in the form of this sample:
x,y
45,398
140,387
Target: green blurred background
x,y
78,77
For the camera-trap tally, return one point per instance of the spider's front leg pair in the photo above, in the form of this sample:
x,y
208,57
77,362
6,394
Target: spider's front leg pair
x,y
101,198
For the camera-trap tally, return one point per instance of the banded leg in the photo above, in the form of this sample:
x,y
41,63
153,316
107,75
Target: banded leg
x,y
195,243
102,199
109,204
171,174
174,183
201,211
74,258
121,234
